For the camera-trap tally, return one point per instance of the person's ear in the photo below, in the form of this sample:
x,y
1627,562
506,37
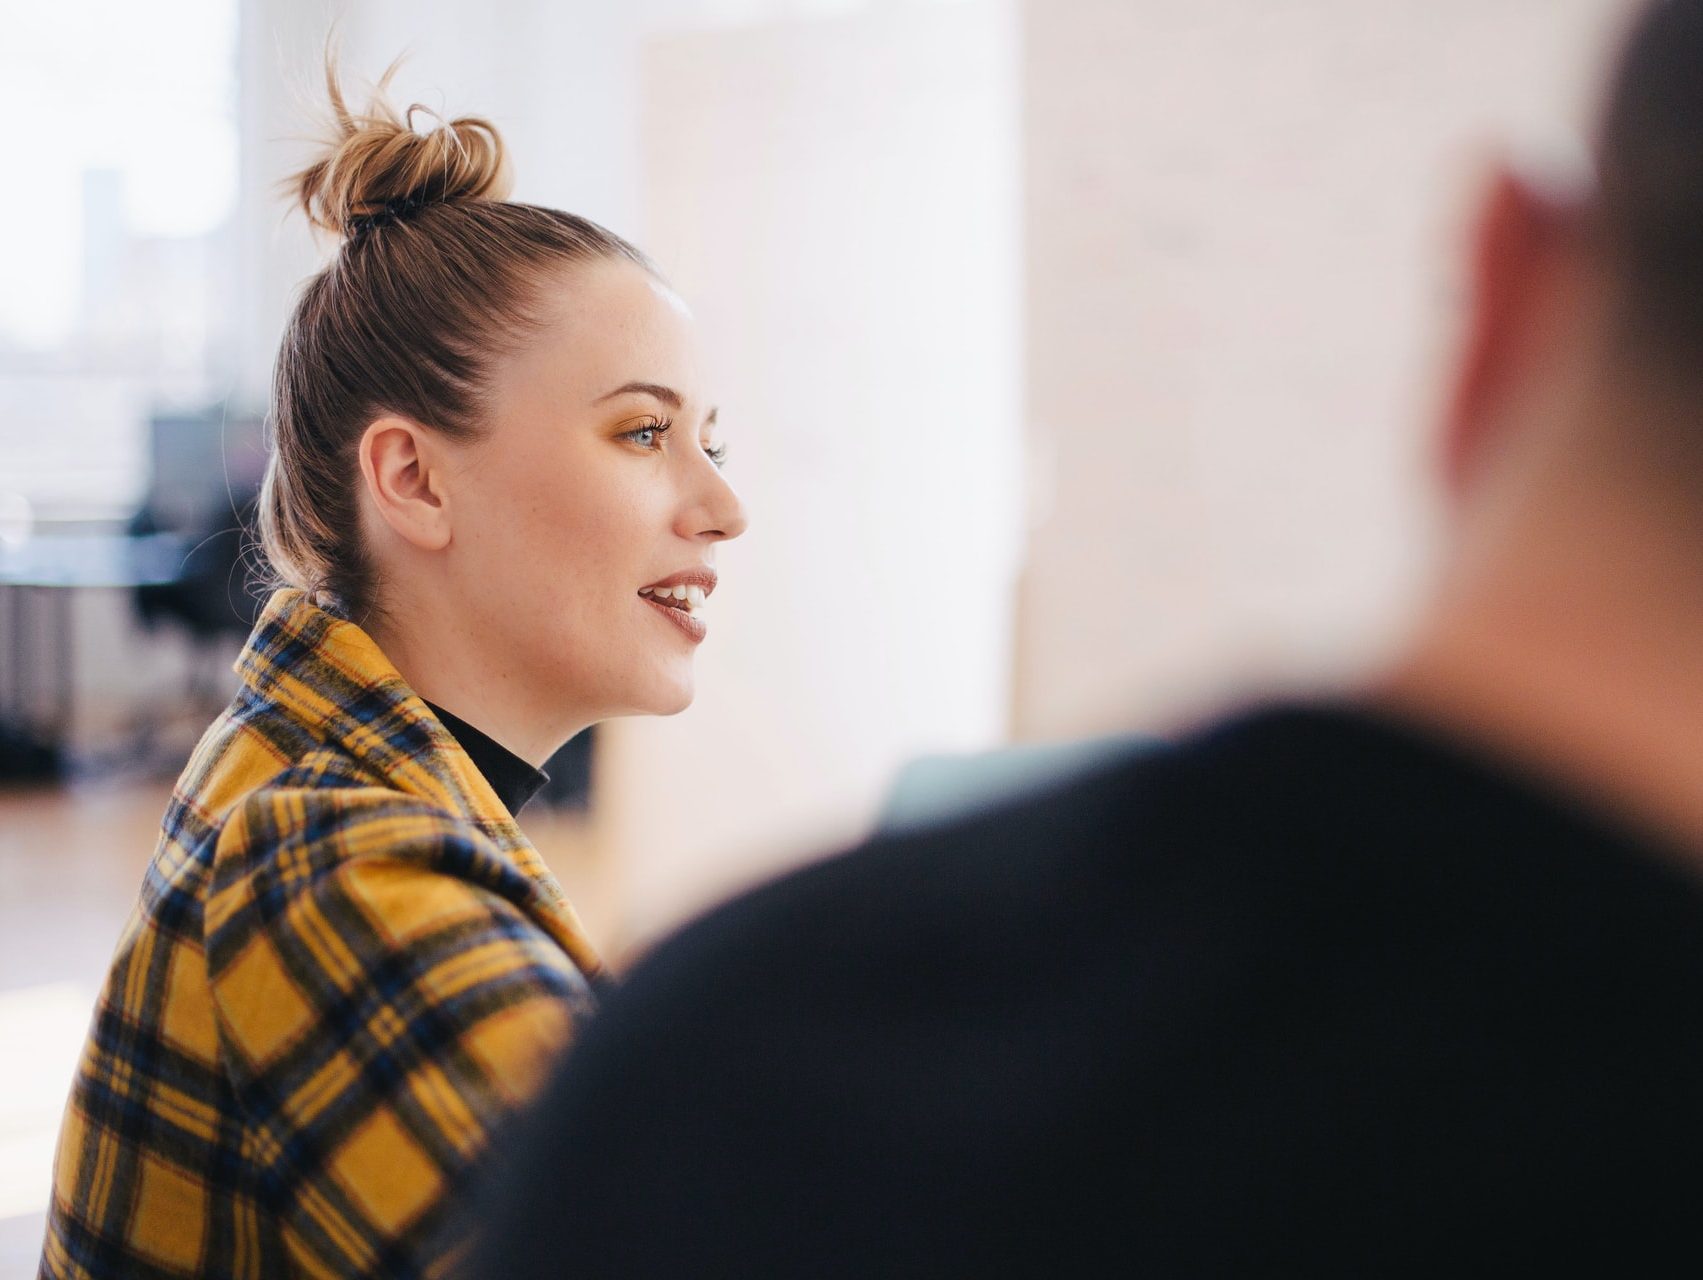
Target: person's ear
x,y
405,481
1517,248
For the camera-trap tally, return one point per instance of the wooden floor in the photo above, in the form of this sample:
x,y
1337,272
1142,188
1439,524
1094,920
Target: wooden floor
x,y
71,860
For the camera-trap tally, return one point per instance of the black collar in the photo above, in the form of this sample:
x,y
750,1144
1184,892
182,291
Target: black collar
x,y
513,779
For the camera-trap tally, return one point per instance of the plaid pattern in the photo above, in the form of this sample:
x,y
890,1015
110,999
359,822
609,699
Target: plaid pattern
x,y
346,966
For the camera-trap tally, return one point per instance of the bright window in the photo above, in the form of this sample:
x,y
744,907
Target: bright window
x,y
122,167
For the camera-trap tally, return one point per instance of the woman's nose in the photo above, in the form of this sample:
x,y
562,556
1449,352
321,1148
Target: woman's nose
x,y
718,515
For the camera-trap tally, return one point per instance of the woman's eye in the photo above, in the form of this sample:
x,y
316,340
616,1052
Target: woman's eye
x,y
648,436
717,454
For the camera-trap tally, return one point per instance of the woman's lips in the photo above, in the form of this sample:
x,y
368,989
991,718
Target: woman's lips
x,y
695,628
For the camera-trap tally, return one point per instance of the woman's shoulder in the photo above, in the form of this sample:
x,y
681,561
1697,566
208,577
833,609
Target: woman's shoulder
x,y
323,817
315,866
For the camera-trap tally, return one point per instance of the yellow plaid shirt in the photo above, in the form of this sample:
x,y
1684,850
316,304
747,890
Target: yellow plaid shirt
x,y
346,966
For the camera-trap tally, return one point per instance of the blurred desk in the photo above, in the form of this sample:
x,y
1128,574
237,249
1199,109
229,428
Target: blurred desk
x,y
37,577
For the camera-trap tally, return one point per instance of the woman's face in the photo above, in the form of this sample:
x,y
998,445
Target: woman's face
x,y
596,485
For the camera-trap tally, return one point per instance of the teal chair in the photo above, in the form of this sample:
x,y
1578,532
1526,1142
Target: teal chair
x,y
935,789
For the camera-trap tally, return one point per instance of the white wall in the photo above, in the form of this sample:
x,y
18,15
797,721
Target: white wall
x,y
1240,223
561,78
837,200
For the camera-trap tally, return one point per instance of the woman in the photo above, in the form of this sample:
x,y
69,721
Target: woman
x,y
492,508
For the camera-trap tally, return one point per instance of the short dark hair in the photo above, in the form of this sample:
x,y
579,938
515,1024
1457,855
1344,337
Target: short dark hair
x,y
1649,154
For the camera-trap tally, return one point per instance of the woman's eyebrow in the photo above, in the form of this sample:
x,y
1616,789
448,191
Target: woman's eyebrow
x,y
656,391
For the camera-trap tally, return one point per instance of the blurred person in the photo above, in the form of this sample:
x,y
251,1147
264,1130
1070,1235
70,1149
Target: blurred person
x,y
492,509
1403,980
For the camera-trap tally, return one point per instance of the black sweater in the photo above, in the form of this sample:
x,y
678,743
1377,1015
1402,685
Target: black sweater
x,y
513,779
1308,994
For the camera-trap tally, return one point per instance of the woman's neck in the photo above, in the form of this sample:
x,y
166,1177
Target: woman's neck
x,y
457,671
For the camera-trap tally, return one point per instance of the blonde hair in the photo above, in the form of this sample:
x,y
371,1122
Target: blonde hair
x,y
437,276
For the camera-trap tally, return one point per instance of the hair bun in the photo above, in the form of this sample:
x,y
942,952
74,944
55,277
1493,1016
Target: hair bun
x,y
377,164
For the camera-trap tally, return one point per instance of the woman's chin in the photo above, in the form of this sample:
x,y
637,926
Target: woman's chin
x,y
668,699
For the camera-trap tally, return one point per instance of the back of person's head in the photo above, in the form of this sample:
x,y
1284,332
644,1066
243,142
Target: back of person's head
x,y
1649,156
438,275
1586,324
1563,629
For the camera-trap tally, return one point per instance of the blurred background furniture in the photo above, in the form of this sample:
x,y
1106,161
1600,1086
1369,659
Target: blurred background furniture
x,y
939,788
37,577
179,558
206,475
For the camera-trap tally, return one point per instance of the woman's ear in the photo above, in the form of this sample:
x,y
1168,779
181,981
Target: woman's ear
x,y
404,475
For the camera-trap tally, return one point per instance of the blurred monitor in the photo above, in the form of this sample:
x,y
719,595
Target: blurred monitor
x,y
203,467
